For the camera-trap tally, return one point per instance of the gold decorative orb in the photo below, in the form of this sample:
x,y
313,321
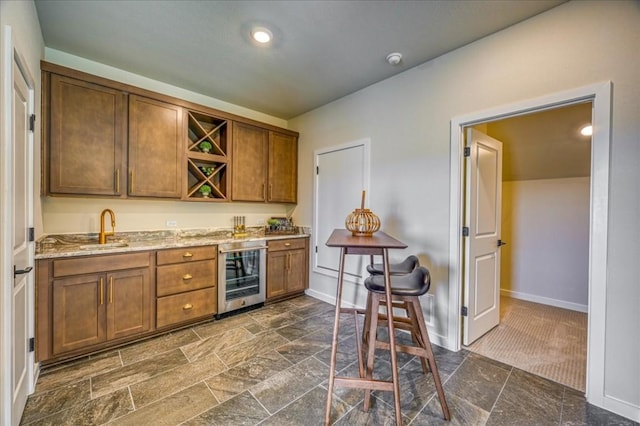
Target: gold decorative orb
x,y
362,223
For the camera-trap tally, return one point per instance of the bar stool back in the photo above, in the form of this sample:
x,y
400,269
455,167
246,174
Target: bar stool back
x,y
402,268
406,291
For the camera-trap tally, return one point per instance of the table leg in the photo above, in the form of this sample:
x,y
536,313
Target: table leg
x,y
334,340
392,337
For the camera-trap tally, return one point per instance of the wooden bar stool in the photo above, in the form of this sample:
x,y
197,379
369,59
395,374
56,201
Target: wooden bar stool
x,y
405,292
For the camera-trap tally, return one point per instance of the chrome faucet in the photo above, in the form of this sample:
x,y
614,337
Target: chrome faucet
x,y
103,235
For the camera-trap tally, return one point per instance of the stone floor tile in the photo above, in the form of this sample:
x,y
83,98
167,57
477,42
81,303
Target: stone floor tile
x,y
211,345
243,409
134,373
172,409
308,410
61,398
282,388
463,413
306,346
379,414
94,412
244,351
178,378
528,399
156,346
216,327
78,370
243,376
478,381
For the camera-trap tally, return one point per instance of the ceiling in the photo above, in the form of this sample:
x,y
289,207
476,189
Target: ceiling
x,y
545,144
322,50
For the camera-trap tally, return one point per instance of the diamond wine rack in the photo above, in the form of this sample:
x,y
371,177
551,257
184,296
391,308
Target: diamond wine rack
x,y
207,158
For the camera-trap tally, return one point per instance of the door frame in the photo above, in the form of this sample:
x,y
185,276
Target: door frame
x,y
9,54
600,96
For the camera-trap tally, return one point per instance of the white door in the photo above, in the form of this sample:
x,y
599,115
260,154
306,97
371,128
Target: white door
x,y
482,253
17,212
341,175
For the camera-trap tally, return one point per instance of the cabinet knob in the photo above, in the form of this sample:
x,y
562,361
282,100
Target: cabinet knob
x,y
187,277
187,307
187,254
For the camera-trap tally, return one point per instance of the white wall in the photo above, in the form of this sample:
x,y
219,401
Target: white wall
x,y
62,215
407,118
546,226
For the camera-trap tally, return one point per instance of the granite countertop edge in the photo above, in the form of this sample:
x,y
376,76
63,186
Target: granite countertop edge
x,y
68,245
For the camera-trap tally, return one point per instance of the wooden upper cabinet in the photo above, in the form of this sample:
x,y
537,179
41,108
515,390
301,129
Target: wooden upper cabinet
x,y
156,135
249,162
87,137
283,168
106,138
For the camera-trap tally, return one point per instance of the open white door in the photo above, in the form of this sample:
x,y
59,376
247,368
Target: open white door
x,y
482,246
17,248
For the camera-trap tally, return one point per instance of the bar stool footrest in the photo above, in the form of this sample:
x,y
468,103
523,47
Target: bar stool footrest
x,y
354,382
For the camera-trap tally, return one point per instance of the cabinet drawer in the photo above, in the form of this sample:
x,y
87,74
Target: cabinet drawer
x,y
183,277
294,243
93,264
187,254
186,306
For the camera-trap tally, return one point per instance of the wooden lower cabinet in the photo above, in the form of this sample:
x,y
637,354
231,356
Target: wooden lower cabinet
x,y
91,309
287,267
78,312
85,303
186,285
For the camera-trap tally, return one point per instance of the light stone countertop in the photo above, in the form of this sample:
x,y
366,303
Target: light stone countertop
x,y
67,245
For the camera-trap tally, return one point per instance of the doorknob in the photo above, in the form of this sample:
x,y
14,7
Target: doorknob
x,y
501,243
21,271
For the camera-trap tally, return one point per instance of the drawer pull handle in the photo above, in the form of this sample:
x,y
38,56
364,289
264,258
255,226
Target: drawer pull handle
x,y
187,277
287,244
187,254
187,307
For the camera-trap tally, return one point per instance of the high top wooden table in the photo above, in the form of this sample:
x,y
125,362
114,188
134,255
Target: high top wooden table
x,y
378,244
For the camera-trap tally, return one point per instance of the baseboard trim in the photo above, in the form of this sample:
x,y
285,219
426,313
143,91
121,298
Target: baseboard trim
x,y
622,408
545,300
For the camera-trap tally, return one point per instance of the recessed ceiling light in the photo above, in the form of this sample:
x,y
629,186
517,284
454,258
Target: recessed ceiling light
x,y
261,35
587,130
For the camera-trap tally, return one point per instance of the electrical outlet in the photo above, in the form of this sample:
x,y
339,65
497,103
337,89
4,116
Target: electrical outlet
x,y
172,223
260,222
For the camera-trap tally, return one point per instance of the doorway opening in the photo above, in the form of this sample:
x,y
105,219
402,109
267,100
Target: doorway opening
x,y
600,96
542,288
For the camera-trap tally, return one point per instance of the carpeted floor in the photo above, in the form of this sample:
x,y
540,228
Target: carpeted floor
x,y
544,340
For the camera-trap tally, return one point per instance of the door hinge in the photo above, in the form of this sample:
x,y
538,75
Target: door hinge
x,y
465,231
464,311
316,249
32,234
467,151
317,170
32,122
32,344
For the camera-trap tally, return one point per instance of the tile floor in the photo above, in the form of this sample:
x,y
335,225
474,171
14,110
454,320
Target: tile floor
x,y
270,367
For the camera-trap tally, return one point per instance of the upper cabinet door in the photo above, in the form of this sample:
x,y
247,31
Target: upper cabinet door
x,y
87,136
283,168
156,136
249,161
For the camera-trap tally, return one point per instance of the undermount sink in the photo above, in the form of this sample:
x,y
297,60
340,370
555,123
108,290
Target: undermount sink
x,y
102,246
